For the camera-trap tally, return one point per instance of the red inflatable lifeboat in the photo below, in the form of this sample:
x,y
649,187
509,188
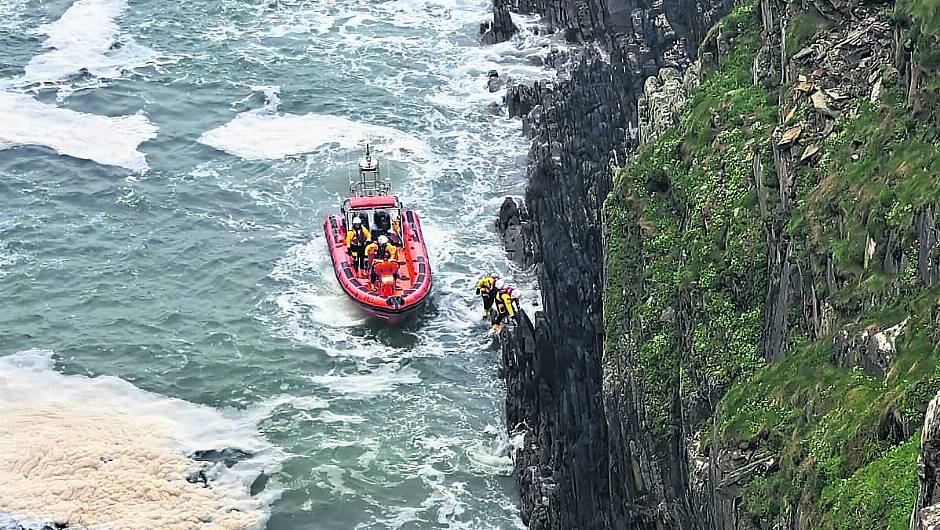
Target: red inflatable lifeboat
x,y
388,289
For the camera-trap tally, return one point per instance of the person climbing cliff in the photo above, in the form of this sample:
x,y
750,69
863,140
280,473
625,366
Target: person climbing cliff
x,y
506,304
486,290
356,240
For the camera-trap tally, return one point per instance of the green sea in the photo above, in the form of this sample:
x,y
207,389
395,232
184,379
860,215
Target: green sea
x,y
165,170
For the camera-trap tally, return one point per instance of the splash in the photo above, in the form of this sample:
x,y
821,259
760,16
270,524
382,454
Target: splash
x,y
99,452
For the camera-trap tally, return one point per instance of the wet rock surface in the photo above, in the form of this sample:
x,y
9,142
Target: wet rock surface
x,y
8,523
517,232
501,28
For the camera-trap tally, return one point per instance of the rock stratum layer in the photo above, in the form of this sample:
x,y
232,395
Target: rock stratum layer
x,y
735,237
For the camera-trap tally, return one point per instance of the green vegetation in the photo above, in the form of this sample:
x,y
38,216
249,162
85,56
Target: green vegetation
x,y
879,495
703,242
920,21
803,28
828,427
686,279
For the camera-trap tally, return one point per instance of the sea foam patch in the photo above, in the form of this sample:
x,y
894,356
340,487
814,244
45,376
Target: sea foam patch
x,y
82,39
378,381
262,135
102,453
107,140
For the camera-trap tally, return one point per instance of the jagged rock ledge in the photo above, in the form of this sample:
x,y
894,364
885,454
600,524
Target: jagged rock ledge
x,y
580,125
501,28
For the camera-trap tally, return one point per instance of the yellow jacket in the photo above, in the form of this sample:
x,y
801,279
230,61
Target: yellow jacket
x,y
374,248
485,284
504,302
364,236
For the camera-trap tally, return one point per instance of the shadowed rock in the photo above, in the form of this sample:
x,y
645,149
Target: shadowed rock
x,y
517,232
228,456
501,28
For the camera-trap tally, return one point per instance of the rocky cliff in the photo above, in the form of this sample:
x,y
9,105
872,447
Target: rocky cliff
x,y
744,335
581,127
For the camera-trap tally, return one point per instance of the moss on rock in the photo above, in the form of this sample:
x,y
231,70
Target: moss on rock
x,y
687,275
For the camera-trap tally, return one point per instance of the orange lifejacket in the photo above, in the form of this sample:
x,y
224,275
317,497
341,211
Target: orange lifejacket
x,y
387,273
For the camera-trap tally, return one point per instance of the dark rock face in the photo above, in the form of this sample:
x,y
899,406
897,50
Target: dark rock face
x,y
569,177
531,412
580,126
517,232
928,253
494,82
228,456
525,101
210,459
501,28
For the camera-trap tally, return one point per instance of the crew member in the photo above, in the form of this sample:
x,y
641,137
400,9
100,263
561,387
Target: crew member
x,y
486,289
384,277
506,299
380,249
356,240
394,236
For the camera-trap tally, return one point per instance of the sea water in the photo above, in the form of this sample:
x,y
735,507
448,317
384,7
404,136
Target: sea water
x,y
165,169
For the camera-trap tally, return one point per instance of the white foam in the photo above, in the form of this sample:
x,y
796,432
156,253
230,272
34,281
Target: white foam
x,y
82,38
8,258
303,24
382,380
261,135
111,141
494,454
99,452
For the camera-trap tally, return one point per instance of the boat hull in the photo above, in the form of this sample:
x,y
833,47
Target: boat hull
x,y
391,318
414,287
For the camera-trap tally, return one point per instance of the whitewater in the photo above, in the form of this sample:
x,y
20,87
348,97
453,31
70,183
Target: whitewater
x,y
175,352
